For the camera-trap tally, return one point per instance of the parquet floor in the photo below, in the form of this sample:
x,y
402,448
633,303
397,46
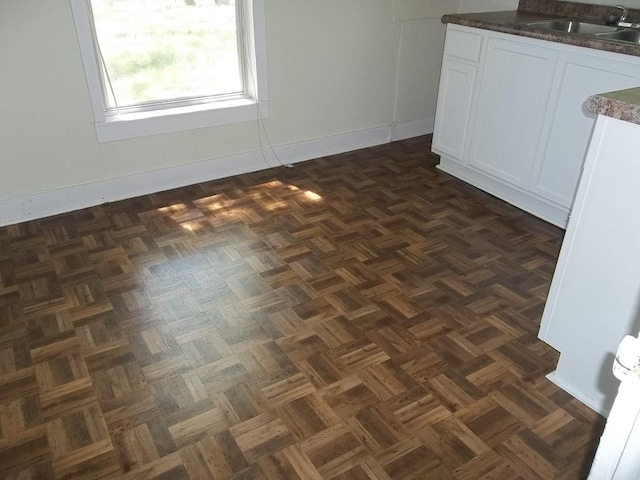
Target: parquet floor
x,y
360,316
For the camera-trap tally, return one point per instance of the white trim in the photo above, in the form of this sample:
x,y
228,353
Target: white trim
x,y
542,208
84,33
12,211
179,119
617,455
42,204
132,125
257,39
413,129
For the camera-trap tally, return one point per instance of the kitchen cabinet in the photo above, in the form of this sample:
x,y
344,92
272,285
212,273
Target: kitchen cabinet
x,y
512,122
515,90
567,128
594,297
457,85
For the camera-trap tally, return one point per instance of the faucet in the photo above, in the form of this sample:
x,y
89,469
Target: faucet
x,y
624,14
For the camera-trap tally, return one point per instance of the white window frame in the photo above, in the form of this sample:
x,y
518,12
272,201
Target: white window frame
x,y
111,127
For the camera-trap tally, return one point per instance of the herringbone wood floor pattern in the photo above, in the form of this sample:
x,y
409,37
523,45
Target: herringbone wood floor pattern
x,y
361,316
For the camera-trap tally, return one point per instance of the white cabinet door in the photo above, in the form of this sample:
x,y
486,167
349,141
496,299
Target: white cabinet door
x,y
568,126
515,88
453,113
462,52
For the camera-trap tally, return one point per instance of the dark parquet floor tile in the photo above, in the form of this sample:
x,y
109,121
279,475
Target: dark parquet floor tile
x,y
360,316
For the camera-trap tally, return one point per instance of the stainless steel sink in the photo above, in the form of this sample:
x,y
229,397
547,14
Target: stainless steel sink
x,y
572,26
631,35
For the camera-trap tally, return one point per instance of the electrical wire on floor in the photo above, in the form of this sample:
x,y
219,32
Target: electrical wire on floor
x,y
260,122
240,10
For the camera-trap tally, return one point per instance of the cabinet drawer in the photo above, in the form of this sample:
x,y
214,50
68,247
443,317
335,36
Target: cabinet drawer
x,y
463,45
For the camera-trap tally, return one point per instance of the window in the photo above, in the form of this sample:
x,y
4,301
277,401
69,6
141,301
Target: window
x,y
158,66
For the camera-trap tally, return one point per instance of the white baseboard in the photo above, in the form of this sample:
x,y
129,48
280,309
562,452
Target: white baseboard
x,y
413,129
321,147
11,211
42,204
524,200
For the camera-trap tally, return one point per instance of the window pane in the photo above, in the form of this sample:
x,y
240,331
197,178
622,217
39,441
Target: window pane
x,y
159,50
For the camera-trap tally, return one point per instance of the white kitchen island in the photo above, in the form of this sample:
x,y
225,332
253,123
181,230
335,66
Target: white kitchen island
x,y
594,299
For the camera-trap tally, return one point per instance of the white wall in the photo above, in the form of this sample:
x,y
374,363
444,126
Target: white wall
x,y
421,40
469,6
343,71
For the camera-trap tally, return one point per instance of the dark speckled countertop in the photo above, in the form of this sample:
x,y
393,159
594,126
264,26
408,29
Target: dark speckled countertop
x,y
514,22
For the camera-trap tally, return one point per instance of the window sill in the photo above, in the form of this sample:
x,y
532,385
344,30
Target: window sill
x,y
157,122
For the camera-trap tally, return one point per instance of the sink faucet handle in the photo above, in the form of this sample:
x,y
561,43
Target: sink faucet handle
x,y
624,14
